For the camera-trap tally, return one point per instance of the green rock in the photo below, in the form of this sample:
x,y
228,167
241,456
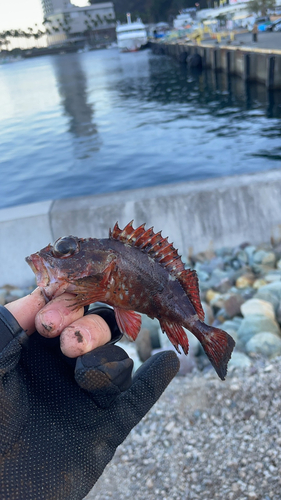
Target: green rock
x,y
251,325
239,360
266,343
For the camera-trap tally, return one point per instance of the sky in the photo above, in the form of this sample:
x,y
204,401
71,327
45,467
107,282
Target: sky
x,y
21,14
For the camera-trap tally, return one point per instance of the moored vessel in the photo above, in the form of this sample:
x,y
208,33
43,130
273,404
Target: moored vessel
x,y
131,36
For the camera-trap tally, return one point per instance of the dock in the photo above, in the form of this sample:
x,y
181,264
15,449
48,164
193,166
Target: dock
x,y
231,53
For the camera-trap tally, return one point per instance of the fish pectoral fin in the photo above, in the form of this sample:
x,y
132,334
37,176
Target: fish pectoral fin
x,y
129,322
176,335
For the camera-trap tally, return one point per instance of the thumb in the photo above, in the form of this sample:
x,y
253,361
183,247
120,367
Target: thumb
x,y
9,328
149,383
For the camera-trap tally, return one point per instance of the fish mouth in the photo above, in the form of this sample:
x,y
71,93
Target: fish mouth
x,y
46,278
40,270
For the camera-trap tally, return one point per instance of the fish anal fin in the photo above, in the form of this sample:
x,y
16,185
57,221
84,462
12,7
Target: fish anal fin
x,y
176,335
129,322
189,281
217,344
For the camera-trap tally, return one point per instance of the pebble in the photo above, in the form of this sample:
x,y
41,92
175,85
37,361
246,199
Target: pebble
x,y
245,281
259,283
253,324
143,344
225,442
265,343
257,306
239,360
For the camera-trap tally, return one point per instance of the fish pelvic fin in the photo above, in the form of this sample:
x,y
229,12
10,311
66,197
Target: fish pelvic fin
x,y
176,335
217,344
129,322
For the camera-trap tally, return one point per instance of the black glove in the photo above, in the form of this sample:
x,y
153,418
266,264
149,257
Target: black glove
x,y
61,425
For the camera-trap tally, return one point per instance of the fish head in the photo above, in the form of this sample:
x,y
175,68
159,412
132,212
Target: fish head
x,y
60,267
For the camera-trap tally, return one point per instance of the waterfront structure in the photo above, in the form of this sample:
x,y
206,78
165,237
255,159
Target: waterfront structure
x,y
131,36
66,22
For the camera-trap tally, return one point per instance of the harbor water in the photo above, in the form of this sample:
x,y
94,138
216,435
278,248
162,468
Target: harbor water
x,y
100,121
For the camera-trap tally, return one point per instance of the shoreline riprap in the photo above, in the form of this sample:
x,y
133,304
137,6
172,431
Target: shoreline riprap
x,y
240,290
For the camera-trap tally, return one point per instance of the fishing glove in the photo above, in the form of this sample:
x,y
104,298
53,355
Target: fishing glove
x,y
61,419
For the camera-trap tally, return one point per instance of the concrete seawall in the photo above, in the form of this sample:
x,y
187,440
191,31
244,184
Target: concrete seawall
x,y
195,215
253,65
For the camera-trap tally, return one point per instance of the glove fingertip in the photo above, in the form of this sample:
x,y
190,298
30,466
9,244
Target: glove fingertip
x,y
167,362
104,373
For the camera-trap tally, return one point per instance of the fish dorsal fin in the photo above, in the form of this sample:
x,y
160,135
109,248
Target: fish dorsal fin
x,y
152,243
165,253
189,282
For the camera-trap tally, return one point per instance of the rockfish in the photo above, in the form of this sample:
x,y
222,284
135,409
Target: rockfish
x,y
133,270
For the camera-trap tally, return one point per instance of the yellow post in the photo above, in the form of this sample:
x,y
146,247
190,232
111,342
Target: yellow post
x,y
219,38
232,36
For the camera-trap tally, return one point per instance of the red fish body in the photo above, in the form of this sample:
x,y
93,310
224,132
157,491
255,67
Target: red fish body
x,y
133,270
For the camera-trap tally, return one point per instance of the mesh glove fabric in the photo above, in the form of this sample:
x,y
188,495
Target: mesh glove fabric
x,y
61,424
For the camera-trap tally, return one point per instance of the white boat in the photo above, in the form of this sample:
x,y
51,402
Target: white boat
x,y
131,36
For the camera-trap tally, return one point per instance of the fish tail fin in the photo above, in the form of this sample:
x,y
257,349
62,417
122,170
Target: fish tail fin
x,y
217,344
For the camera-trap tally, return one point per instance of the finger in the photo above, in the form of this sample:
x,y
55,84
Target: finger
x,y
57,315
26,308
148,384
84,335
104,372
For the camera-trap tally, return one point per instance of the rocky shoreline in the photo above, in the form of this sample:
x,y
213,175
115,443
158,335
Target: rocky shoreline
x,y
240,289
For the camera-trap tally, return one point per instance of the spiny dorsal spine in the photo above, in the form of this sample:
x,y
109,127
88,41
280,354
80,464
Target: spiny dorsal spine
x,y
153,243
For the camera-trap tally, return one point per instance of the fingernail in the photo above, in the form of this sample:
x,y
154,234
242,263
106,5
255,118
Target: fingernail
x,y
51,320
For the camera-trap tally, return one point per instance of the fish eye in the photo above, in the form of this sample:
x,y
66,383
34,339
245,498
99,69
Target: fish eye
x,y
65,246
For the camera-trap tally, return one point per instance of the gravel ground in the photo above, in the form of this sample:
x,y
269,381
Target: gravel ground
x,y
204,439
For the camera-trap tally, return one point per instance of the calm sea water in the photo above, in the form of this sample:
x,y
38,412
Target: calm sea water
x,y
97,122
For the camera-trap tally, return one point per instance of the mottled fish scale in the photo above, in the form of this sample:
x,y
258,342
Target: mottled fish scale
x,y
133,270
166,255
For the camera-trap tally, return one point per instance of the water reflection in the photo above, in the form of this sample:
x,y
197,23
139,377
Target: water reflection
x,y
171,82
101,121
72,86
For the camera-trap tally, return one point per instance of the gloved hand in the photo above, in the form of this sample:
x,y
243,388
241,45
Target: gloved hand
x,y
61,420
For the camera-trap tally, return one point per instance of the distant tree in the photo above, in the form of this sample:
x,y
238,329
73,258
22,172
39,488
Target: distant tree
x,y
151,10
261,6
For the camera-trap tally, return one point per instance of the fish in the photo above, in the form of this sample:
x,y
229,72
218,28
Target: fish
x,y
134,270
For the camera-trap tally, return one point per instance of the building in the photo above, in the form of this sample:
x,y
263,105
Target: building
x,y
66,22
51,7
